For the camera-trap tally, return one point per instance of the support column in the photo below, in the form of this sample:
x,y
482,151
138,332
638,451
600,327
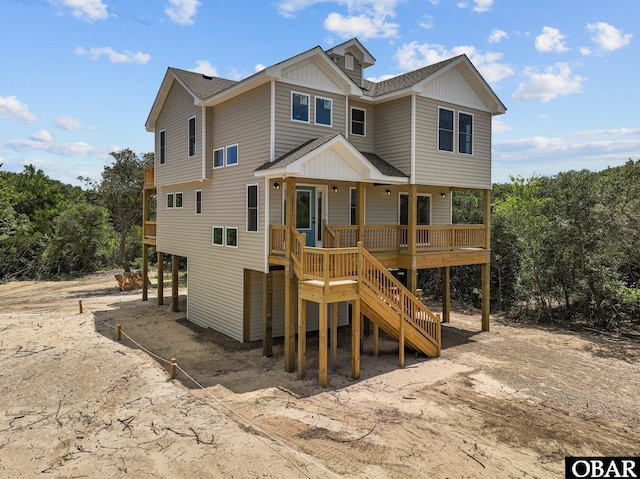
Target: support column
x,y
334,337
446,294
290,284
160,278
376,339
486,268
174,284
360,211
145,271
355,339
412,273
267,314
322,353
302,338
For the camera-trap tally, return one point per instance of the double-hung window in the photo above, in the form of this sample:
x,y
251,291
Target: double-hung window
x,y
323,111
445,129
358,117
300,107
198,202
465,133
162,147
192,136
252,207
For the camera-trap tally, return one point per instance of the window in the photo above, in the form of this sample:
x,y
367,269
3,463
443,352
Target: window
x,y
465,133
198,202
162,147
323,111
178,200
358,121
353,209
217,233
192,136
232,155
170,200
218,158
423,213
445,129
231,237
300,107
252,207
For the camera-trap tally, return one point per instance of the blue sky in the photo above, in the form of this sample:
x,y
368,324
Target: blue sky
x,y
78,77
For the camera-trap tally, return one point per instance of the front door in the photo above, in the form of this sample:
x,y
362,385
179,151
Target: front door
x,y
306,212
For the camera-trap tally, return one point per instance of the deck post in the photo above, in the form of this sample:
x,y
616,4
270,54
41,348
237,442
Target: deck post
x,y
145,271
486,267
267,314
334,337
355,339
290,282
360,211
376,339
322,354
160,278
411,237
302,338
174,284
401,340
446,294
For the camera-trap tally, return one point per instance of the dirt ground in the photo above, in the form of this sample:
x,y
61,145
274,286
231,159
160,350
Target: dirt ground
x,y
512,402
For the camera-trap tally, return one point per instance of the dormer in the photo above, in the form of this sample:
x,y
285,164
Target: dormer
x,y
353,58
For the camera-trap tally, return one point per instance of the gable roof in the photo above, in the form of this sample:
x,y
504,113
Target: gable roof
x,y
365,57
372,167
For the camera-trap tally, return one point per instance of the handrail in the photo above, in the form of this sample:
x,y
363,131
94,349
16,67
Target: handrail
x,y
329,235
298,242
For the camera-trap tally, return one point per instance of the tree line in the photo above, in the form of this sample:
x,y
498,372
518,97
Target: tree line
x,y
49,229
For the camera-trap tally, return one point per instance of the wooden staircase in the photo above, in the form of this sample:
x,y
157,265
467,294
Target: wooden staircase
x,y
334,274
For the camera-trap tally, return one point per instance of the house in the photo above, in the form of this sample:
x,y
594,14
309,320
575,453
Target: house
x,y
294,192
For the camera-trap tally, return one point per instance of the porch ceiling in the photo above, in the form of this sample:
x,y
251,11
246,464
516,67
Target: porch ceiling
x,y
332,158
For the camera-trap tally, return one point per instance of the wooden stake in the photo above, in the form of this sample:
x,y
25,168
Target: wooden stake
x,y
173,368
80,304
118,332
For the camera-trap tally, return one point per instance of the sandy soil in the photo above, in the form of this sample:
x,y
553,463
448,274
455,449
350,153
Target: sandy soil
x,y
512,402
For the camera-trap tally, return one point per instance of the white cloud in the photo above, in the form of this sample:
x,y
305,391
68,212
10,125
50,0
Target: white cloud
x,y
259,67
479,6
87,10
608,37
182,12
498,126
497,36
426,22
551,40
113,56
206,68
78,148
414,55
43,136
362,26
609,132
10,107
555,81
69,123
585,51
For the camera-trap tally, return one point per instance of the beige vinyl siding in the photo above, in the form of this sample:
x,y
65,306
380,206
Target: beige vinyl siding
x,y
174,119
446,168
383,209
363,143
393,133
356,73
291,134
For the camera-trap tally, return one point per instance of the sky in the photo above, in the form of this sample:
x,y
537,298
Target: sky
x,y
78,77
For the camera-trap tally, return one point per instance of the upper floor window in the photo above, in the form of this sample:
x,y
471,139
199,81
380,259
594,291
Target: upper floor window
x,y
198,202
179,200
232,155
162,147
231,237
445,129
300,107
353,207
192,136
358,117
169,200
323,111
465,133
218,158
252,207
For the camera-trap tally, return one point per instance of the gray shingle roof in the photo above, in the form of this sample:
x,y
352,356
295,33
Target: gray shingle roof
x,y
202,86
299,152
405,80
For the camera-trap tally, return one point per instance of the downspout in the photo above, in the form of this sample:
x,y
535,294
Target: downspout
x,y
347,115
204,142
266,223
413,139
272,126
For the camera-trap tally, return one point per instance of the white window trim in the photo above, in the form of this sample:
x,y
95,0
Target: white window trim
x,y
225,236
457,137
195,127
213,159
308,107
226,156
195,207
257,230
162,133
315,112
453,146
364,123
400,193
213,228
173,201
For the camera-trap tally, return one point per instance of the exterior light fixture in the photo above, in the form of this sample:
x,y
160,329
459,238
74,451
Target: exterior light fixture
x,y
387,191
443,195
276,185
334,188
